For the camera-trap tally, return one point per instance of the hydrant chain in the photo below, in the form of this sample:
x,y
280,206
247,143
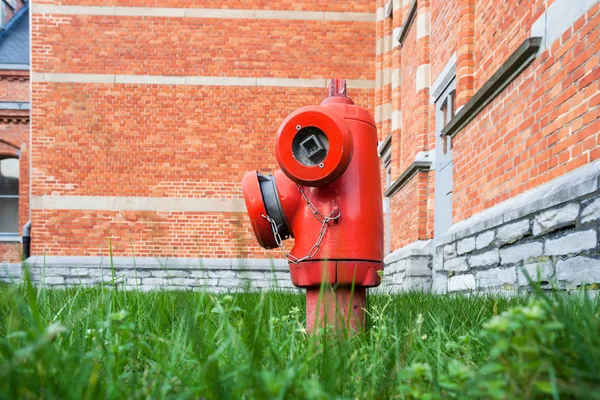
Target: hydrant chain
x,y
333,215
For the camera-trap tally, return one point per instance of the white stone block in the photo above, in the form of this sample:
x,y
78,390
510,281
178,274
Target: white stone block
x,y
450,251
496,277
418,266
461,282
578,270
544,268
512,232
521,252
484,239
53,280
551,219
171,273
591,212
575,243
484,259
466,245
456,264
440,284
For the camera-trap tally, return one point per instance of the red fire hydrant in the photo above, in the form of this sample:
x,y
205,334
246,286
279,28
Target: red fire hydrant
x,y
327,196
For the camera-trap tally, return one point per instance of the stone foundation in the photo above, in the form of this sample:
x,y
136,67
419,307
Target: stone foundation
x,y
212,274
10,272
408,268
551,233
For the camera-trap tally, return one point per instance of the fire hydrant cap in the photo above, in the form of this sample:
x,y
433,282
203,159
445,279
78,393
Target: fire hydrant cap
x,y
256,209
313,146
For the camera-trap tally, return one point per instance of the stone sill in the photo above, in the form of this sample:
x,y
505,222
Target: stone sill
x,y
10,239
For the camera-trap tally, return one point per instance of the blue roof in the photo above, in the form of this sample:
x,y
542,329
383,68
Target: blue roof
x,y
14,41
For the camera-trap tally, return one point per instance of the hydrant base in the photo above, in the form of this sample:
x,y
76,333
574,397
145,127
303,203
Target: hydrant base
x,y
342,307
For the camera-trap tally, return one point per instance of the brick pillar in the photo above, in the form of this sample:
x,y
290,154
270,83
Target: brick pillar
x,y
465,62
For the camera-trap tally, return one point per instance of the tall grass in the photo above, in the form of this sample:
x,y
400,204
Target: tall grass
x,y
88,343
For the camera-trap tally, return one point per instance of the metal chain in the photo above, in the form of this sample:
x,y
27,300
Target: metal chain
x,y
333,215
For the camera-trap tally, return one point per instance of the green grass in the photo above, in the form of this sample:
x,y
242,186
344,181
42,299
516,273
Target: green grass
x,y
105,343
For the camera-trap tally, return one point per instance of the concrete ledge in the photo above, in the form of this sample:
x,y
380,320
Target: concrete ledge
x,y
202,13
13,105
14,67
420,248
10,239
238,264
577,183
195,80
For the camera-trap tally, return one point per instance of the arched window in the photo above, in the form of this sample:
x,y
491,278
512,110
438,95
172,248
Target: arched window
x,y
9,197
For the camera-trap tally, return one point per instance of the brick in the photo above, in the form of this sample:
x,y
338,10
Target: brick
x,y
571,243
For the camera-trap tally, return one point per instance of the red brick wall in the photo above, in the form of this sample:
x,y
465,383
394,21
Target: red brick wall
x,y
14,86
543,125
409,212
500,27
444,33
206,47
10,252
145,234
177,141
158,140
412,206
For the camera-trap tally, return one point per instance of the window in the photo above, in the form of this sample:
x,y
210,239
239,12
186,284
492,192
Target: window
x,y
447,111
387,176
445,106
9,197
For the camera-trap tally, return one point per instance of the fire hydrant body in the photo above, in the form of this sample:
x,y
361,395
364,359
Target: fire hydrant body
x,y
327,196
